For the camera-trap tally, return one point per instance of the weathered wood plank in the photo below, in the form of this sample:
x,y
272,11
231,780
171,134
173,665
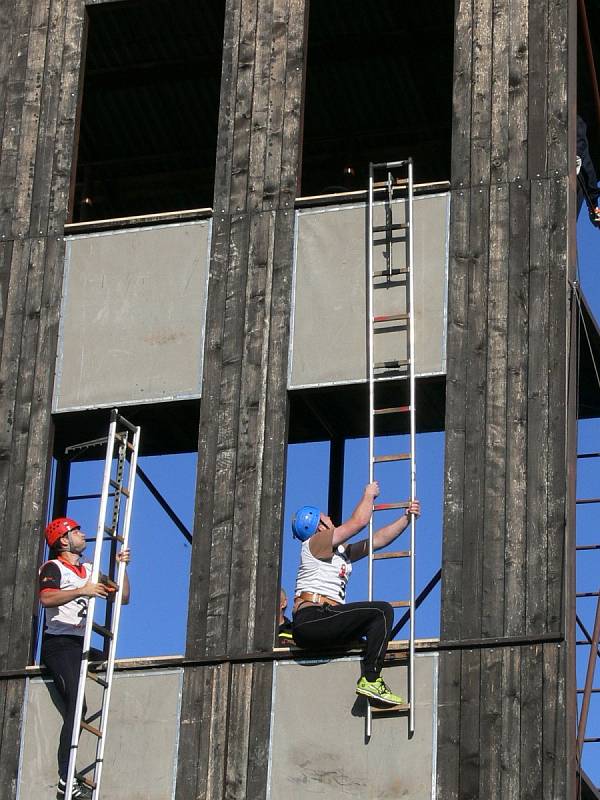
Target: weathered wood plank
x,y
240,703
470,697
448,735
227,106
277,82
557,456
495,512
260,727
11,134
251,432
475,397
30,119
461,98
243,106
200,568
481,100
561,81
192,754
292,110
452,553
537,412
47,138
10,737
260,106
555,731
22,541
219,733
532,702
11,442
223,461
516,489
45,307
500,90
6,255
518,87
67,115
274,456
7,34
538,89
490,724
510,779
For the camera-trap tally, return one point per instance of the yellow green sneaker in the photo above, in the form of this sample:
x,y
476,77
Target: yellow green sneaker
x,y
377,690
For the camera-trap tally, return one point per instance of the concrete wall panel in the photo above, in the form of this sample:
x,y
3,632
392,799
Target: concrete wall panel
x,y
318,747
132,317
141,747
329,343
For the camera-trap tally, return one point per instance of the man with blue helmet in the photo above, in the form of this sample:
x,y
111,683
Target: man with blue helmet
x,y
321,615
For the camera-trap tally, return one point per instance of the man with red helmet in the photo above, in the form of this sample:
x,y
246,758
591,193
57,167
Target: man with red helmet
x,y
64,591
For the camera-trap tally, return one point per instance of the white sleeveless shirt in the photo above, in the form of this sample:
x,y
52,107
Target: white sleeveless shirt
x,y
70,617
328,578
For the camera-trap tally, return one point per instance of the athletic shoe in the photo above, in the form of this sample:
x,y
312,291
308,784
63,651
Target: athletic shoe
x,y
377,690
80,790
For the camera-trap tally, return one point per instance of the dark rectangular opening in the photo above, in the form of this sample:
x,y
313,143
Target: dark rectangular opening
x,y
378,88
149,114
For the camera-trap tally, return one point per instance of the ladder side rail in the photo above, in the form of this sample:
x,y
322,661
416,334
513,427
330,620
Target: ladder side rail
x,y
371,371
413,445
116,616
116,513
87,638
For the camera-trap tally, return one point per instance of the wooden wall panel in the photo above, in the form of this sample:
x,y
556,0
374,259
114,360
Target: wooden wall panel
x,y
505,708
243,416
39,78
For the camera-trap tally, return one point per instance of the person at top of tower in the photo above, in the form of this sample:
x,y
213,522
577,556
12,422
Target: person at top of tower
x,y
587,182
64,591
321,615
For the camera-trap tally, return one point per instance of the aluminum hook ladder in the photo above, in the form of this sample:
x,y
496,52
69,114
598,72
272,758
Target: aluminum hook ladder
x,y
382,236
122,446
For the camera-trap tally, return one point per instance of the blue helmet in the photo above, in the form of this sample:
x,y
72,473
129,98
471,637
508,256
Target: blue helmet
x,y
305,522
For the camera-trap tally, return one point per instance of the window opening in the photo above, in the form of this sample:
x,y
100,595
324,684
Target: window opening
x,y
149,114
307,482
160,541
378,88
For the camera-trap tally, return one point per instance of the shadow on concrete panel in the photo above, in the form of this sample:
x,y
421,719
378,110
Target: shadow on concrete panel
x,y
318,744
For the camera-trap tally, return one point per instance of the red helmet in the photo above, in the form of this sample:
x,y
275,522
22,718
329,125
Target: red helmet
x,y
59,527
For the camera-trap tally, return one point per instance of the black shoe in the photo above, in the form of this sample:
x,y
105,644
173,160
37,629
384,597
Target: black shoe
x,y
80,790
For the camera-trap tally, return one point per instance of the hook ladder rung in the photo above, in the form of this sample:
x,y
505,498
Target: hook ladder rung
x,y
400,603
102,631
112,534
84,779
393,410
397,554
397,226
98,680
398,183
392,457
390,506
401,708
395,364
122,489
91,729
399,317
389,273
389,240
124,440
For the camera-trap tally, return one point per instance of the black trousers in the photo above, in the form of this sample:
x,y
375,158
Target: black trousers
x,y
62,657
322,626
